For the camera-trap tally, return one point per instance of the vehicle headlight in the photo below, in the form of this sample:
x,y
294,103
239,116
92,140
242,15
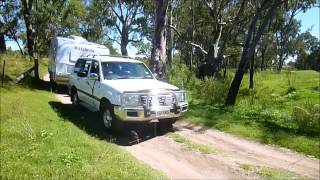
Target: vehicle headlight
x,y
181,96
130,100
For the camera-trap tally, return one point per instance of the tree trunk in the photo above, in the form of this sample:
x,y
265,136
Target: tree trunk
x,y
213,60
16,40
192,36
3,47
263,51
31,34
248,50
158,52
36,67
251,72
124,41
171,40
27,6
280,62
225,67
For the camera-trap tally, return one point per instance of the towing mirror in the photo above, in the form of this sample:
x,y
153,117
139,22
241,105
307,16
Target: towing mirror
x,y
93,76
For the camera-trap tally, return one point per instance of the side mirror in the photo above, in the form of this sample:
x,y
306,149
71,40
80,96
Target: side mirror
x,y
93,76
82,74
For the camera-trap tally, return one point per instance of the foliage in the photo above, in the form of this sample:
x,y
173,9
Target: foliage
x,y
307,50
307,118
208,90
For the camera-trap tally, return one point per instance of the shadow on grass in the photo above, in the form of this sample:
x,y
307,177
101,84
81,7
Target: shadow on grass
x,y
37,84
90,123
209,116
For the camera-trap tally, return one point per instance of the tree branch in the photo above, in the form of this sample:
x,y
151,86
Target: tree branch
x,y
120,7
118,28
132,18
188,42
134,41
115,12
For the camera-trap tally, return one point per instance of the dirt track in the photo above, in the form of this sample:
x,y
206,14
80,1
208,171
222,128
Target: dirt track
x,y
170,157
176,162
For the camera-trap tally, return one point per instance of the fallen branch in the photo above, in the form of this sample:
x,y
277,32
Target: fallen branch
x,y
24,74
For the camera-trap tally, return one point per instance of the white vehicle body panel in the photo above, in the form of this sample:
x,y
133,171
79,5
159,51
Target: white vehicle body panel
x,y
133,85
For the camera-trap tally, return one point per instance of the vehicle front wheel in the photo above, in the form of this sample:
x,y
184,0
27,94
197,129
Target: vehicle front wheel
x,y
108,118
167,123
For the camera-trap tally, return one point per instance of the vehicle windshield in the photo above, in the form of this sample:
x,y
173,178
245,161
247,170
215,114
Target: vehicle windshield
x,y
125,70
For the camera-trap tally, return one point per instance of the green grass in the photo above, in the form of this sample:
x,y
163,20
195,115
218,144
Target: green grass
x,y
190,145
283,109
15,64
270,173
42,138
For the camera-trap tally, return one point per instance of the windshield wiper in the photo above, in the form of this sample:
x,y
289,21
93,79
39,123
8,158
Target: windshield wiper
x,y
124,77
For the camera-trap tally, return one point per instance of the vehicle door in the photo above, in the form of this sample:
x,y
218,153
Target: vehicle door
x,y
94,83
84,90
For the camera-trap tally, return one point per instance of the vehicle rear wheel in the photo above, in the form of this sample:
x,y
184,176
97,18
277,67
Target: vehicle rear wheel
x,y
75,99
52,82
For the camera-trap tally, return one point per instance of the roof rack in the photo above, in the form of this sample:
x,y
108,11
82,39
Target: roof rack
x,y
94,55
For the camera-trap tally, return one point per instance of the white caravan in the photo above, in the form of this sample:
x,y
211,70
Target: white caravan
x,y
65,51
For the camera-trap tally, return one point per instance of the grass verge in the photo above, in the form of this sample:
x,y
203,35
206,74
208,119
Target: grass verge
x,y
270,173
190,145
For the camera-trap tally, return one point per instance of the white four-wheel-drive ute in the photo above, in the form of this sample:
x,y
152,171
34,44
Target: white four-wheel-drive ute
x,y
124,90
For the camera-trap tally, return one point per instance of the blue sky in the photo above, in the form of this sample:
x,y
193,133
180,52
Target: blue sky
x,y
310,20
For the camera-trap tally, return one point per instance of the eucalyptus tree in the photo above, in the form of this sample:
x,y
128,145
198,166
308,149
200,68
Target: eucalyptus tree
x,y
266,51
286,30
158,51
263,16
218,24
9,23
307,49
45,19
126,21
93,25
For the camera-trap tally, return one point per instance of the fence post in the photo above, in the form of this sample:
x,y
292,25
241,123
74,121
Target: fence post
x,y
3,67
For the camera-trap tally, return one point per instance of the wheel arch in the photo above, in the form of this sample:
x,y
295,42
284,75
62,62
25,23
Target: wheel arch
x,y
103,101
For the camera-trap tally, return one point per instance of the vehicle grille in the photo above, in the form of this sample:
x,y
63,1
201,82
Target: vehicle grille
x,y
161,100
165,100
144,101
